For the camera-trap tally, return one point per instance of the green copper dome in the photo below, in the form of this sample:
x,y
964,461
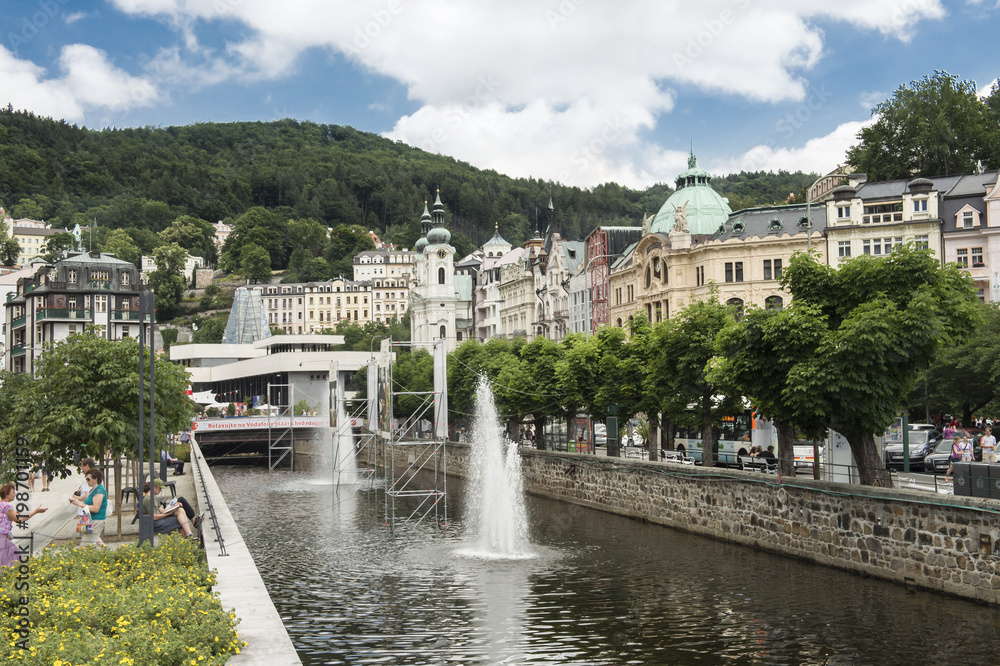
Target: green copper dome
x,y
704,209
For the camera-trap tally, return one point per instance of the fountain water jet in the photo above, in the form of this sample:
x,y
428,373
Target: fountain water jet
x,y
346,468
499,520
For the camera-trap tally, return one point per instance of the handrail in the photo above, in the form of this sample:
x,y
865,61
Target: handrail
x,y
208,500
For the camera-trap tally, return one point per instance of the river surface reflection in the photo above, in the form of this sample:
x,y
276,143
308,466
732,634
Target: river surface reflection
x,y
602,590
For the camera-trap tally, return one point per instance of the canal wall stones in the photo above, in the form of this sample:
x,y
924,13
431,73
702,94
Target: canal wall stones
x,y
944,543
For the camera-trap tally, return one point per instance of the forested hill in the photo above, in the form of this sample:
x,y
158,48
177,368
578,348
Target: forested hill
x,y
143,178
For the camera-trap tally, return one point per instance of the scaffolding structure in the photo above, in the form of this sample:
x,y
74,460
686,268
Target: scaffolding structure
x,y
281,410
363,469
416,482
599,279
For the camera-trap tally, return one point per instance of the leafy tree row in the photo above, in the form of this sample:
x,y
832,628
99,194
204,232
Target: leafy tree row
x,y
843,355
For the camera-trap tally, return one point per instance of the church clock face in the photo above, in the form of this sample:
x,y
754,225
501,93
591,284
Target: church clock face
x,y
442,254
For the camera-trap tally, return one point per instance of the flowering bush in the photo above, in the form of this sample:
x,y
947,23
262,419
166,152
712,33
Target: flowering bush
x,y
131,605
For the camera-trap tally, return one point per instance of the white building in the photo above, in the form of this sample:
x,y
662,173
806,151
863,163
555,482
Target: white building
x,y
310,307
441,301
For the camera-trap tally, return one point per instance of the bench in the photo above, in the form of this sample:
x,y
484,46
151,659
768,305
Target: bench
x,y
675,457
757,464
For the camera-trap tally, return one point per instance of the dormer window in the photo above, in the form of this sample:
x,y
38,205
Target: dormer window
x,y
125,279
920,205
71,276
843,212
968,219
774,224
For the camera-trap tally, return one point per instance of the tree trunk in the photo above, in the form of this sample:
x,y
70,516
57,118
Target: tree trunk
x,y
966,416
652,439
707,445
667,427
539,422
871,467
786,448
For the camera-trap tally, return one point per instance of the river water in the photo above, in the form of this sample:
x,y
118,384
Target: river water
x,y
600,590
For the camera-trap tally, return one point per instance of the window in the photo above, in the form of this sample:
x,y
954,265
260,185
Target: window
x,y
977,257
125,279
767,269
844,249
921,243
444,331
777,269
843,212
962,257
773,303
981,295
71,276
729,271
866,246
878,246
100,303
920,205
699,276
739,271
967,219
125,332
441,277
737,303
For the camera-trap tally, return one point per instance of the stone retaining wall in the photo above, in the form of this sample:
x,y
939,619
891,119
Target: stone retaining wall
x,y
945,543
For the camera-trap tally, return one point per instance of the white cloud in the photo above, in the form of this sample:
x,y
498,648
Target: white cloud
x,y
89,81
555,73
819,155
70,19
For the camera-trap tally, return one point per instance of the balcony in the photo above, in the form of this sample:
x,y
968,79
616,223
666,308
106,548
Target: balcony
x,y
128,315
62,313
104,285
17,351
17,322
28,288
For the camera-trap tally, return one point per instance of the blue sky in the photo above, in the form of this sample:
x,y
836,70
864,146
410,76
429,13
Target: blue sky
x,y
578,91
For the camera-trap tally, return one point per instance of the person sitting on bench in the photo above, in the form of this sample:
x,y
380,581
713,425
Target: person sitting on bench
x,y
167,519
178,464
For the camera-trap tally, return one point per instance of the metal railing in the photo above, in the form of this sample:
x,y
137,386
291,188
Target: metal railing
x,y
18,321
16,351
126,315
197,458
62,313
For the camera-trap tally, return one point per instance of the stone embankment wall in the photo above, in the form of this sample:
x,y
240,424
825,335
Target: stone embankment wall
x,y
945,543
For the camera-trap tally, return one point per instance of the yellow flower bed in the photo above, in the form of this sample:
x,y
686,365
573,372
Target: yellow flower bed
x,y
131,605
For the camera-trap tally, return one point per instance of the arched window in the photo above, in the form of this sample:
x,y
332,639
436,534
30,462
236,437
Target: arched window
x,y
737,303
656,267
773,303
444,332
648,276
619,323
441,275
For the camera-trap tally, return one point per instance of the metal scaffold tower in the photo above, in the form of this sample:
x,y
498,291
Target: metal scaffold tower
x,y
416,483
353,457
280,424
598,279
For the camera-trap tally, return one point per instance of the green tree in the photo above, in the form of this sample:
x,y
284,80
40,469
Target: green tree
x,y
346,241
931,127
84,397
882,321
56,244
756,355
194,235
120,244
209,330
964,378
27,208
10,249
681,349
255,264
167,281
260,227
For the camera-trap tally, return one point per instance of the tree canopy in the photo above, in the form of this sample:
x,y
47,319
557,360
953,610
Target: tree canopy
x,y
84,400
937,125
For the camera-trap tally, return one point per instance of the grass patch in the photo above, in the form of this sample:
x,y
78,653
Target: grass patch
x,y
131,605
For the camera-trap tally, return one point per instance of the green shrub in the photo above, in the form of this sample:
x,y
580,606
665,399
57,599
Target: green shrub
x,y
131,605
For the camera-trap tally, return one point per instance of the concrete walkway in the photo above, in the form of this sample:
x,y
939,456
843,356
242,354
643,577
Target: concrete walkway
x,y
239,583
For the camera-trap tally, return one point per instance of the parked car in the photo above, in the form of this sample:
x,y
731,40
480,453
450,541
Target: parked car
x,y
938,461
922,443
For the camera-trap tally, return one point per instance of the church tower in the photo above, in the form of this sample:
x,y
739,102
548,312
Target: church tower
x,y
433,295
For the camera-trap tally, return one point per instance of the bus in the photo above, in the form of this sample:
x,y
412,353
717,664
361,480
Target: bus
x,y
733,435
